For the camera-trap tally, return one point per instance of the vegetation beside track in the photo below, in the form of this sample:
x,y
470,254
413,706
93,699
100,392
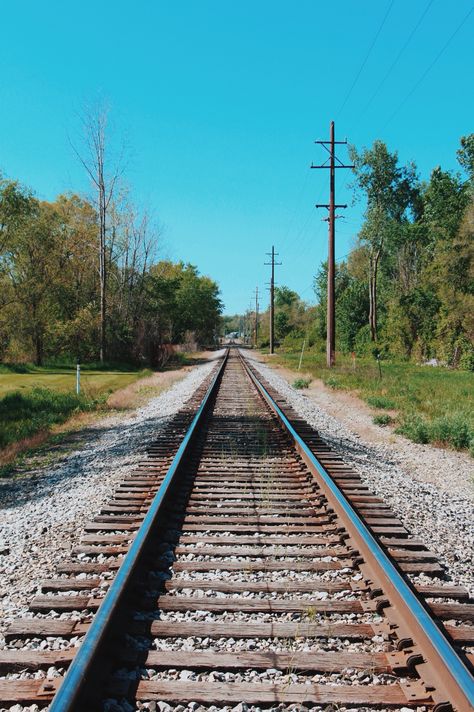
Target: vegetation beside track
x,y
95,380
35,400
39,408
427,404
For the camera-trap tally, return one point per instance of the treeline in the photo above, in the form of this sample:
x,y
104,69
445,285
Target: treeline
x,y
407,286
50,284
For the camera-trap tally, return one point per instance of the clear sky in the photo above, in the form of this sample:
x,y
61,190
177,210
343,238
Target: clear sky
x,y
221,102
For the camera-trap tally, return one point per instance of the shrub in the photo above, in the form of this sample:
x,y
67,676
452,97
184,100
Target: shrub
x,y
415,428
301,383
381,402
451,430
363,342
16,368
383,419
332,382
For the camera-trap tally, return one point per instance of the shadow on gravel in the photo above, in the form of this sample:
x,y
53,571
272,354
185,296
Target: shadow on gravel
x,y
99,446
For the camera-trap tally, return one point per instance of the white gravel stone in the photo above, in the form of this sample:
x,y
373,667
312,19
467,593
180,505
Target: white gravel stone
x,y
43,515
439,514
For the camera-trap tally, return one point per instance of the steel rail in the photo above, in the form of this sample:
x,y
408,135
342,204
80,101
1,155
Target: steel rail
x,y
451,678
72,686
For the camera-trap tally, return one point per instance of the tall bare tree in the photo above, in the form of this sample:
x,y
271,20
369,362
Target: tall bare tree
x,y
104,172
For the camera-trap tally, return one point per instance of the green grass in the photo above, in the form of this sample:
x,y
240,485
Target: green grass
x,y
94,381
301,383
380,402
383,419
433,404
34,399
24,414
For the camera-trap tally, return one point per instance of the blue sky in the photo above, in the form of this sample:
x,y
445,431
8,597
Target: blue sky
x,y
221,102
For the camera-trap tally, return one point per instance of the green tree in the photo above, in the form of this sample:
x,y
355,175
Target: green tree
x,y
390,191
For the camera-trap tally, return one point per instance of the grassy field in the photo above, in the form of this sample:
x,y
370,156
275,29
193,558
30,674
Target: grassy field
x,y
425,403
93,382
34,399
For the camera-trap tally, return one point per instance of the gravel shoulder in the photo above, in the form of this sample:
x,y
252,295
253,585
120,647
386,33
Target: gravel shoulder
x,y
429,488
42,515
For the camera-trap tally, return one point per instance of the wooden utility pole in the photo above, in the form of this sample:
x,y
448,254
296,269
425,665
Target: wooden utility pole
x,y
331,207
256,316
272,298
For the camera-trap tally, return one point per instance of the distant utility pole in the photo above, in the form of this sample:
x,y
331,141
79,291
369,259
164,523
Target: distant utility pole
x,y
272,298
331,207
256,316
249,323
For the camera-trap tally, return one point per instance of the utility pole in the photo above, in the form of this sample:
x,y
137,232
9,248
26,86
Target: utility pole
x,y
272,298
249,323
331,207
256,316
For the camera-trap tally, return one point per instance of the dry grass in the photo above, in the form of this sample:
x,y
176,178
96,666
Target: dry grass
x,y
137,394
25,446
9,453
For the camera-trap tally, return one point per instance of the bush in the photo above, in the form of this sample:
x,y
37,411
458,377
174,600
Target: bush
x,y
414,428
381,402
16,368
363,342
301,383
451,430
332,382
383,419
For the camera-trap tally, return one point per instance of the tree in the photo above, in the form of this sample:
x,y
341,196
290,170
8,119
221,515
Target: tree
x,y
104,174
466,156
351,304
390,191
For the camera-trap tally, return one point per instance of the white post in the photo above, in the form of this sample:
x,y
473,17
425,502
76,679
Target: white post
x,y
301,357
78,378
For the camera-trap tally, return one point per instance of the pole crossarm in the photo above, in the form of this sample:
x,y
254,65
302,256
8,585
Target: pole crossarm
x,y
326,205
323,165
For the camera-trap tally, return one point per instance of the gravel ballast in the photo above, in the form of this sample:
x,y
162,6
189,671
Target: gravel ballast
x,y
441,517
43,515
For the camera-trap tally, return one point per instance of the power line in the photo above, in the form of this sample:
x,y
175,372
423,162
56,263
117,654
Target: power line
x,y
397,58
430,66
364,62
293,216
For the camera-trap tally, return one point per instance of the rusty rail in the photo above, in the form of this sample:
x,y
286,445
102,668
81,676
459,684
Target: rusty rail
x,y
442,671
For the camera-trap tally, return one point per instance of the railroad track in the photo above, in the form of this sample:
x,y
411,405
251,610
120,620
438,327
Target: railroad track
x,y
243,562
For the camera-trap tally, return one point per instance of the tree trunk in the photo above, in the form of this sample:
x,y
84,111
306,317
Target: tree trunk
x,y
371,299
373,272
39,350
102,269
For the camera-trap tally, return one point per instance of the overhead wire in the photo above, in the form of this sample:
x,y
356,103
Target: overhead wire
x,y
397,58
305,225
292,219
375,93
364,61
430,66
